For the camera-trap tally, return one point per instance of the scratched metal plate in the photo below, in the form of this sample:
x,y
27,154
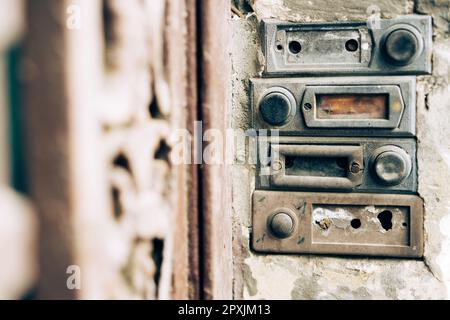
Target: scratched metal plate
x,y
341,224
299,122
267,179
322,47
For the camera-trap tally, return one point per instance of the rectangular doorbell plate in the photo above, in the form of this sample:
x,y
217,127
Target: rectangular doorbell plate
x,y
389,46
334,223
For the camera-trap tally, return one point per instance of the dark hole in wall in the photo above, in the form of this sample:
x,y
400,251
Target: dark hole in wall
x,y
121,161
385,218
243,6
163,151
117,204
157,256
168,45
18,153
154,110
109,36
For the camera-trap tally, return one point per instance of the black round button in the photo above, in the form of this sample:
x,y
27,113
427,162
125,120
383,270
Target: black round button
x,y
401,46
275,108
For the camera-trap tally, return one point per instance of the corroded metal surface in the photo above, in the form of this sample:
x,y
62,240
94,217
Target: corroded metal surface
x,y
348,47
333,164
396,118
344,224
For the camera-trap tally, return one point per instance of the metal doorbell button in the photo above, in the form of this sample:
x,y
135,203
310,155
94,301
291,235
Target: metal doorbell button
x,y
391,164
401,46
277,106
281,224
397,46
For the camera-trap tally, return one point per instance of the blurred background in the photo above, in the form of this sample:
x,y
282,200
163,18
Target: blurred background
x,y
90,205
17,217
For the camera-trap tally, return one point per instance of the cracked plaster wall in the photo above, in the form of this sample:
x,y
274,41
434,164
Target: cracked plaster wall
x,y
259,276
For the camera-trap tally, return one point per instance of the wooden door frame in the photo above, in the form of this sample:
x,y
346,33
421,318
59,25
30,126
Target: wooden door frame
x,y
215,180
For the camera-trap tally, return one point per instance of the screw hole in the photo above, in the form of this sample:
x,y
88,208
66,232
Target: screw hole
x,y
404,224
385,218
355,223
279,47
295,47
351,45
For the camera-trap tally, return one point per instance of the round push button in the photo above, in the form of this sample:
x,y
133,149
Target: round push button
x,y
391,165
281,225
401,46
275,108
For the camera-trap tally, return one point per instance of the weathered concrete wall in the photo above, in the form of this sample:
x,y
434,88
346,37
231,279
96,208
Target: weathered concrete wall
x,y
434,142
318,277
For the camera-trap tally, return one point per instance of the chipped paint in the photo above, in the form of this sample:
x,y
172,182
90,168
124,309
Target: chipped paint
x,y
339,217
265,275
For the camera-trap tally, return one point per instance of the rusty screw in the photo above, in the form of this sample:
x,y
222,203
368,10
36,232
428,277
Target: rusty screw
x,y
355,167
324,224
307,106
